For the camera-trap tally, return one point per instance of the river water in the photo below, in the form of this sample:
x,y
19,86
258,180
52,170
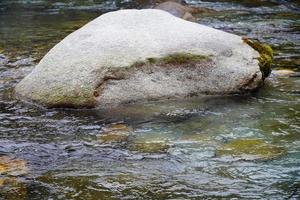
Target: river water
x,y
167,149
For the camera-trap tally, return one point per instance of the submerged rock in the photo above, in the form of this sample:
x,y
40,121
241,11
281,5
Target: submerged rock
x,y
150,142
283,73
138,55
12,189
12,167
250,149
149,146
115,133
10,185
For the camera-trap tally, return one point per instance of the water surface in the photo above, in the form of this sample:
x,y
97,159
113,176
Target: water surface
x,y
170,149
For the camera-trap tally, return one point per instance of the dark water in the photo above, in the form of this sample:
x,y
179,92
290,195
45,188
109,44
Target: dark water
x,y
170,151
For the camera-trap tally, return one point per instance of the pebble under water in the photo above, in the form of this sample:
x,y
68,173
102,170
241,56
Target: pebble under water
x,y
238,147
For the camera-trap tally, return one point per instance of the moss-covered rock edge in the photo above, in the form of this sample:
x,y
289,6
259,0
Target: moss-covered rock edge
x,y
181,58
266,56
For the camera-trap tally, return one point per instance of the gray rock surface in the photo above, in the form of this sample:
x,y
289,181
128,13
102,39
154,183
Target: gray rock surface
x,y
120,57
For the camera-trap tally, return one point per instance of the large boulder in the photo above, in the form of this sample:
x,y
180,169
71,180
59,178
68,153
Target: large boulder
x,y
137,55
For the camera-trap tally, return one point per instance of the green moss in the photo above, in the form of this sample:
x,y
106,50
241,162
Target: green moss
x,y
152,60
77,183
148,146
266,56
250,149
13,189
183,58
113,137
173,59
60,98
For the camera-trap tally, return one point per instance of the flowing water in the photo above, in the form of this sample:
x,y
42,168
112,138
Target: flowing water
x,y
160,150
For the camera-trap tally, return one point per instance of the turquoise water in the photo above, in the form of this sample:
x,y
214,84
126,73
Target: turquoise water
x,y
161,150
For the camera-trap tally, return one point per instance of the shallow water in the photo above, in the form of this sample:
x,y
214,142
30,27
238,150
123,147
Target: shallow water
x,y
168,150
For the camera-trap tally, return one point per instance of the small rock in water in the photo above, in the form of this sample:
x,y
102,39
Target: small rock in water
x,y
250,149
283,73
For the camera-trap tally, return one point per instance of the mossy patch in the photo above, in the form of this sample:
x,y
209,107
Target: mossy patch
x,y
12,189
250,149
82,187
183,58
149,147
59,98
174,59
266,56
117,137
4,181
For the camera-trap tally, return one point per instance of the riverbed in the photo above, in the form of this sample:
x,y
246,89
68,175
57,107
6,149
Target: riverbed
x,y
156,150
